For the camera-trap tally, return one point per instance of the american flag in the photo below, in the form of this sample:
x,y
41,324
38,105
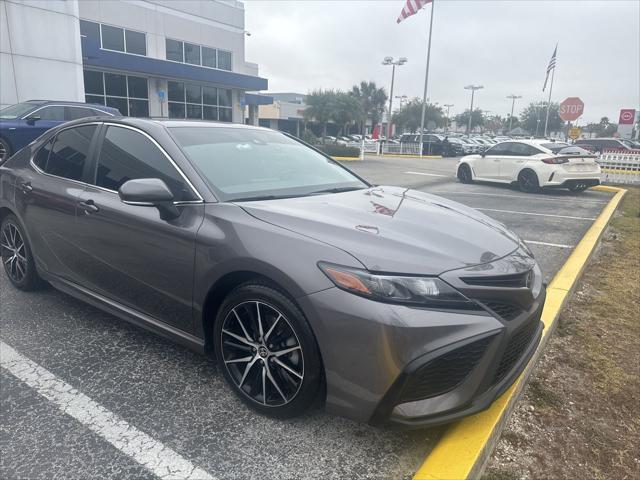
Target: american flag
x,y
411,8
552,65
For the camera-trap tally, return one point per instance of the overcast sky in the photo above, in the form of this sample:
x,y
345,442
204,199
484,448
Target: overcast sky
x,y
504,45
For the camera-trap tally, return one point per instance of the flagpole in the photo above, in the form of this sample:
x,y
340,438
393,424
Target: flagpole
x,y
553,73
426,78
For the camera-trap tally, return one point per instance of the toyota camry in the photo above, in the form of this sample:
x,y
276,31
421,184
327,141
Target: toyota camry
x,y
308,284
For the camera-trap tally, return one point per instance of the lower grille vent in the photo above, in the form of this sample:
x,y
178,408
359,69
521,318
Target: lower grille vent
x,y
515,348
444,373
507,311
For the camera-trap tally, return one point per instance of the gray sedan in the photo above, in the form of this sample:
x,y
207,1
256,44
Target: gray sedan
x,y
308,284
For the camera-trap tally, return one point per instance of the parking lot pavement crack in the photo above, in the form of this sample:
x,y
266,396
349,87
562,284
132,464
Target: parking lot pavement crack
x,y
161,460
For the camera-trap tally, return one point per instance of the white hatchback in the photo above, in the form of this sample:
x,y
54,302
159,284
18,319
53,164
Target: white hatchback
x,y
532,164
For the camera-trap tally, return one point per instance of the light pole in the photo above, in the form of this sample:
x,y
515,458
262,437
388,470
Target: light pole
x,y
393,63
473,89
448,105
513,103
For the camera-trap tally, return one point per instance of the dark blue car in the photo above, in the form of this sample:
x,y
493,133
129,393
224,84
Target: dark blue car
x,y
22,123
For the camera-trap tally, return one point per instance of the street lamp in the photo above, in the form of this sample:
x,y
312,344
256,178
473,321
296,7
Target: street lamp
x,y
403,99
513,103
393,63
473,89
448,106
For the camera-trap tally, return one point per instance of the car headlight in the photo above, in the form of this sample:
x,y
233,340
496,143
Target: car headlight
x,y
418,291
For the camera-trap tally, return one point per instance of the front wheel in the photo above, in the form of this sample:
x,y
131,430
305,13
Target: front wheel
x,y
5,150
267,351
528,181
464,173
17,259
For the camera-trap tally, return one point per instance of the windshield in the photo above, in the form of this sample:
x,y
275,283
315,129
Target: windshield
x,y
245,164
17,110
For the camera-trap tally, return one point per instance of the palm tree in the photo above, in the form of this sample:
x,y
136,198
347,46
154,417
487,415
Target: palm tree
x,y
346,110
320,106
372,102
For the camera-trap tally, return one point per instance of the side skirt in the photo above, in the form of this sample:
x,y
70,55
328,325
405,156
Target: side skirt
x,y
126,313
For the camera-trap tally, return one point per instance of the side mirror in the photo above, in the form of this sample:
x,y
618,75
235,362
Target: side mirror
x,y
32,120
149,192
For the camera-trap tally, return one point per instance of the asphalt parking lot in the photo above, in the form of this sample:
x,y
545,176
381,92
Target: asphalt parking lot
x,y
179,400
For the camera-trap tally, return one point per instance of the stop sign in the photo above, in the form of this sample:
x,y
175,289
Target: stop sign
x,y
571,109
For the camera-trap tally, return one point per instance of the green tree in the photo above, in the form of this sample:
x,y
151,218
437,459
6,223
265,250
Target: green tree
x,y
345,110
372,101
533,117
477,119
320,106
408,118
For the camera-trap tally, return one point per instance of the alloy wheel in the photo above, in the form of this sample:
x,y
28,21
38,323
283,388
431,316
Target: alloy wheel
x,y
262,353
14,255
3,151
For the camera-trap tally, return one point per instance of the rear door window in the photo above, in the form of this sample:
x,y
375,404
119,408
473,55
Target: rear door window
x,y
74,113
69,153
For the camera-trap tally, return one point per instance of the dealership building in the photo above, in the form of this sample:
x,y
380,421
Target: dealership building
x,y
158,58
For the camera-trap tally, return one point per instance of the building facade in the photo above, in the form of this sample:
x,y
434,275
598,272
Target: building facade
x,y
286,113
158,58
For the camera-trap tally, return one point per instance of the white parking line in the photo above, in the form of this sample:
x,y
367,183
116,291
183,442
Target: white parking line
x,y
559,245
427,174
528,197
532,213
158,458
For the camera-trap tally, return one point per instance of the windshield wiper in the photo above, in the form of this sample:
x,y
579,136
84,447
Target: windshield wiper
x,y
263,197
336,190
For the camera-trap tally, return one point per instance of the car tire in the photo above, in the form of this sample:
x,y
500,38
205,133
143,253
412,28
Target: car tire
x,y
579,187
528,181
464,174
17,259
276,384
5,150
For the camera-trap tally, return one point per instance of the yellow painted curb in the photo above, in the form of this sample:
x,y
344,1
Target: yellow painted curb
x,y
346,158
622,171
464,449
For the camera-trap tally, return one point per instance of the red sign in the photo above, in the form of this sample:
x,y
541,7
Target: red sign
x,y
571,109
626,116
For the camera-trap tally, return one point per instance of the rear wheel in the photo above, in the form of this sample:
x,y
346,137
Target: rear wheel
x,y
267,351
528,181
17,259
464,173
5,150
578,187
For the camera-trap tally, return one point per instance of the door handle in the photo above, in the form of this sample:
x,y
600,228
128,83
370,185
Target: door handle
x,y
88,206
25,188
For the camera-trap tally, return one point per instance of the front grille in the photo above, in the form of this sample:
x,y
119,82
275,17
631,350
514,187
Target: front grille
x,y
507,311
444,373
515,348
515,280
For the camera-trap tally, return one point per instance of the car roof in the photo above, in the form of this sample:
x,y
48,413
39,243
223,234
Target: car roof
x,y
165,122
596,139
67,102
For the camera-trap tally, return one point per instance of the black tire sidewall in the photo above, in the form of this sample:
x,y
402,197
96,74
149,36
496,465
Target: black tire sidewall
x,y
313,376
534,176
464,173
31,280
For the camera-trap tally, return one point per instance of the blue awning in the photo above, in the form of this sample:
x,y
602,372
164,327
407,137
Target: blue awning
x,y
94,56
257,99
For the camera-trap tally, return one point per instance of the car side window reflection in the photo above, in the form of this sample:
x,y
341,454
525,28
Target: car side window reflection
x,y
127,155
54,113
69,152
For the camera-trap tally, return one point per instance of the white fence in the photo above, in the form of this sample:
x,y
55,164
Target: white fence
x,y
620,166
400,148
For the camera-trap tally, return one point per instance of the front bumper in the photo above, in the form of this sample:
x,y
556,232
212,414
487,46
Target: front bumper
x,y
377,356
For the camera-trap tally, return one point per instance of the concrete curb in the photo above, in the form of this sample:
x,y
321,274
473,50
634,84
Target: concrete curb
x,y
466,446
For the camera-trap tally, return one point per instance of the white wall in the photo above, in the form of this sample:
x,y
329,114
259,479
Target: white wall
x,y
40,52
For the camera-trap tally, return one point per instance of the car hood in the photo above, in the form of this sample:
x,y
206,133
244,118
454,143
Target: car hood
x,y
392,229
